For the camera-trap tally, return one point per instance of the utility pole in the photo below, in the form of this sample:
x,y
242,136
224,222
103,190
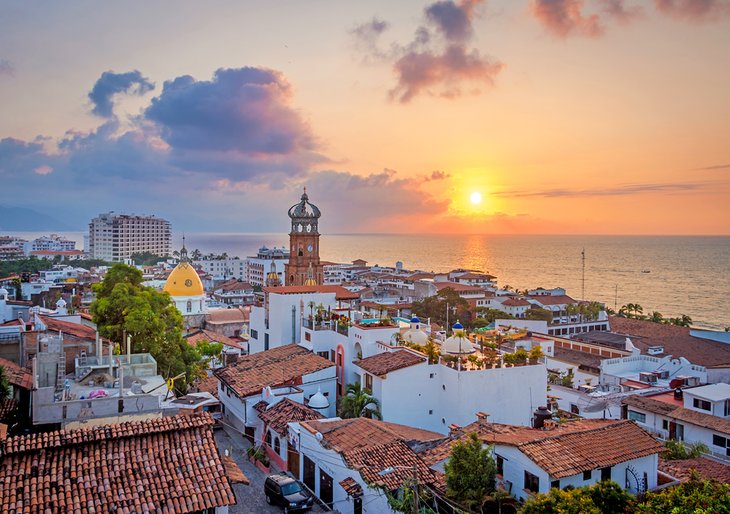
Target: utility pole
x,y
583,275
615,300
447,317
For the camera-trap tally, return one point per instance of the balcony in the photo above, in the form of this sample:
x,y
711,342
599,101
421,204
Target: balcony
x,y
325,325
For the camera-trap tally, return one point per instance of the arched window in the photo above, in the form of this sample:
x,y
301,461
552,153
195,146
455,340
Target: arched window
x,y
190,306
277,446
268,438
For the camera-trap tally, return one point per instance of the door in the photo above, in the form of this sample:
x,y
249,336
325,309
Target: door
x,y
357,506
672,430
325,488
292,461
309,471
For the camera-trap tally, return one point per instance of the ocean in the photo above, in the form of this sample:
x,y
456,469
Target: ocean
x,y
674,275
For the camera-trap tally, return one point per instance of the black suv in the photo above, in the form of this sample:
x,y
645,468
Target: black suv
x,y
288,493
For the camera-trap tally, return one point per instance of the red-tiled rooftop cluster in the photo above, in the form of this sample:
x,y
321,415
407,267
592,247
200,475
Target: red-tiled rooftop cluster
x,y
286,411
383,363
166,465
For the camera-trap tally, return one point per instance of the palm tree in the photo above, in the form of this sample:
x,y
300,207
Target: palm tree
x,y
685,321
311,306
656,317
638,311
357,403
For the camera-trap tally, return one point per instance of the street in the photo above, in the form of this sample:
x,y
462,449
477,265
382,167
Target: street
x,y
250,498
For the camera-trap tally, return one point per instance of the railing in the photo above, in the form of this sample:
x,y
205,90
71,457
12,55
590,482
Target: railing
x,y
325,325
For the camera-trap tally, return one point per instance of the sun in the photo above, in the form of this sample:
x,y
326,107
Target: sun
x,y
476,198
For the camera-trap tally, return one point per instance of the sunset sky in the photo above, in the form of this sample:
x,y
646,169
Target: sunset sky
x,y
566,116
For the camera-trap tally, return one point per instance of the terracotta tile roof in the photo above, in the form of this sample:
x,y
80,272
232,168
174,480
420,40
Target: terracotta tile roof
x,y
707,468
287,411
235,285
566,450
7,408
677,341
475,276
383,363
233,472
66,327
395,458
340,292
351,487
346,435
207,385
679,413
17,376
459,288
277,367
553,300
209,336
516,302
165,465
587,360
218,316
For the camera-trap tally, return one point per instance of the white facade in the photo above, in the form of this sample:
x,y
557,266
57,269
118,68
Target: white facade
x,y
332,464
223,269
116,237
639,367
432,397
54,242
266,260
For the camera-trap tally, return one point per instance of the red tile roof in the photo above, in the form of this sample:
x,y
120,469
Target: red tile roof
x,y
207,385
7,408
17,376
340,292
566,450
677,341
219,316
166,465
275,368
351,434
680,413
709,469
208,336
383,363
516,302
287,411
351,487
67,327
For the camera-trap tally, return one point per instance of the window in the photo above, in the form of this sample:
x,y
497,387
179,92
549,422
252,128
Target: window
x,y
665,424
266,341
574,408
720,441
189,306
430,411
254,334
587,475
606,473
555,484
637,416
701,404
532,482
268,438
500,464
307,336
727,408
277,446
368,382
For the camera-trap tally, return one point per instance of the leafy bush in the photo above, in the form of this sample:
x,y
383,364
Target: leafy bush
x,y
602,498
678,450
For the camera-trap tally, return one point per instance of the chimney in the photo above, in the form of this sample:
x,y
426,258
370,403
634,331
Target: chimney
x,y
455,430
482,418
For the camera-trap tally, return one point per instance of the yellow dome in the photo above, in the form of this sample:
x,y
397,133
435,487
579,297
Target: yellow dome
x,y
184,281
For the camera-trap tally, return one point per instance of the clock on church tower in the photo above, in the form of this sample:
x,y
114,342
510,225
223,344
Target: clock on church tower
x,y
304,267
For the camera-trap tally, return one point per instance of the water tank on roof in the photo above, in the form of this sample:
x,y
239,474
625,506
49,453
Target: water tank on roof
x,y
540,415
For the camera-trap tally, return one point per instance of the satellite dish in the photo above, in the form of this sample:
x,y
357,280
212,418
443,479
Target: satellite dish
x,y
319,436
596,406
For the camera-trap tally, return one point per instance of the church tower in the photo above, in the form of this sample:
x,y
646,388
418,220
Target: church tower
x,y
304,267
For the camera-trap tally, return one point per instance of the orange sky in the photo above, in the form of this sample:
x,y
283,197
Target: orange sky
x,y
567,116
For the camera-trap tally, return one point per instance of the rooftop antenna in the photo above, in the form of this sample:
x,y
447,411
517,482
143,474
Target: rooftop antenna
x,y
583,275
615,300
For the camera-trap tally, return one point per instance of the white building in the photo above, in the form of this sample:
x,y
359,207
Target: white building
x,y
223,269
54,243
266,261
575,454
289,371
348,463
186,290
116,237
695,414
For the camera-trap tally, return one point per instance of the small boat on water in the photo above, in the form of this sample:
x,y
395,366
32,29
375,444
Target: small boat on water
x,y
646,271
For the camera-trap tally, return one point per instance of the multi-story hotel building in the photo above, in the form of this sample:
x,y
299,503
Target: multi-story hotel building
x,y
116,237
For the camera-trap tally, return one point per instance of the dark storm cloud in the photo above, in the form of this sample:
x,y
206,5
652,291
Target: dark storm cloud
x,y
438,59
110,84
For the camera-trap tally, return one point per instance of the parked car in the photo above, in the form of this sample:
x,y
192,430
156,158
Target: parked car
x,y
288,493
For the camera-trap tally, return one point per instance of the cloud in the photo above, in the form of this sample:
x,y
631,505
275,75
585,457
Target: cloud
x,y
43,170
110,84
619,11
366,36
564,18
625,190
694,10
715,167
438,59
437,175
6,67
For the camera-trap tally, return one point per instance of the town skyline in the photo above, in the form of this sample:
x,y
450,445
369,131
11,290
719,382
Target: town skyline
x,y
536,117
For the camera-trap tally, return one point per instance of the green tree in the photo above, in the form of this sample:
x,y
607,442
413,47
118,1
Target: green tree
x,y
146,258
539,313
605,497
485,313
4,385
358,403
209,349
678,450
434,307
656,317
696,496
124,307
470,472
